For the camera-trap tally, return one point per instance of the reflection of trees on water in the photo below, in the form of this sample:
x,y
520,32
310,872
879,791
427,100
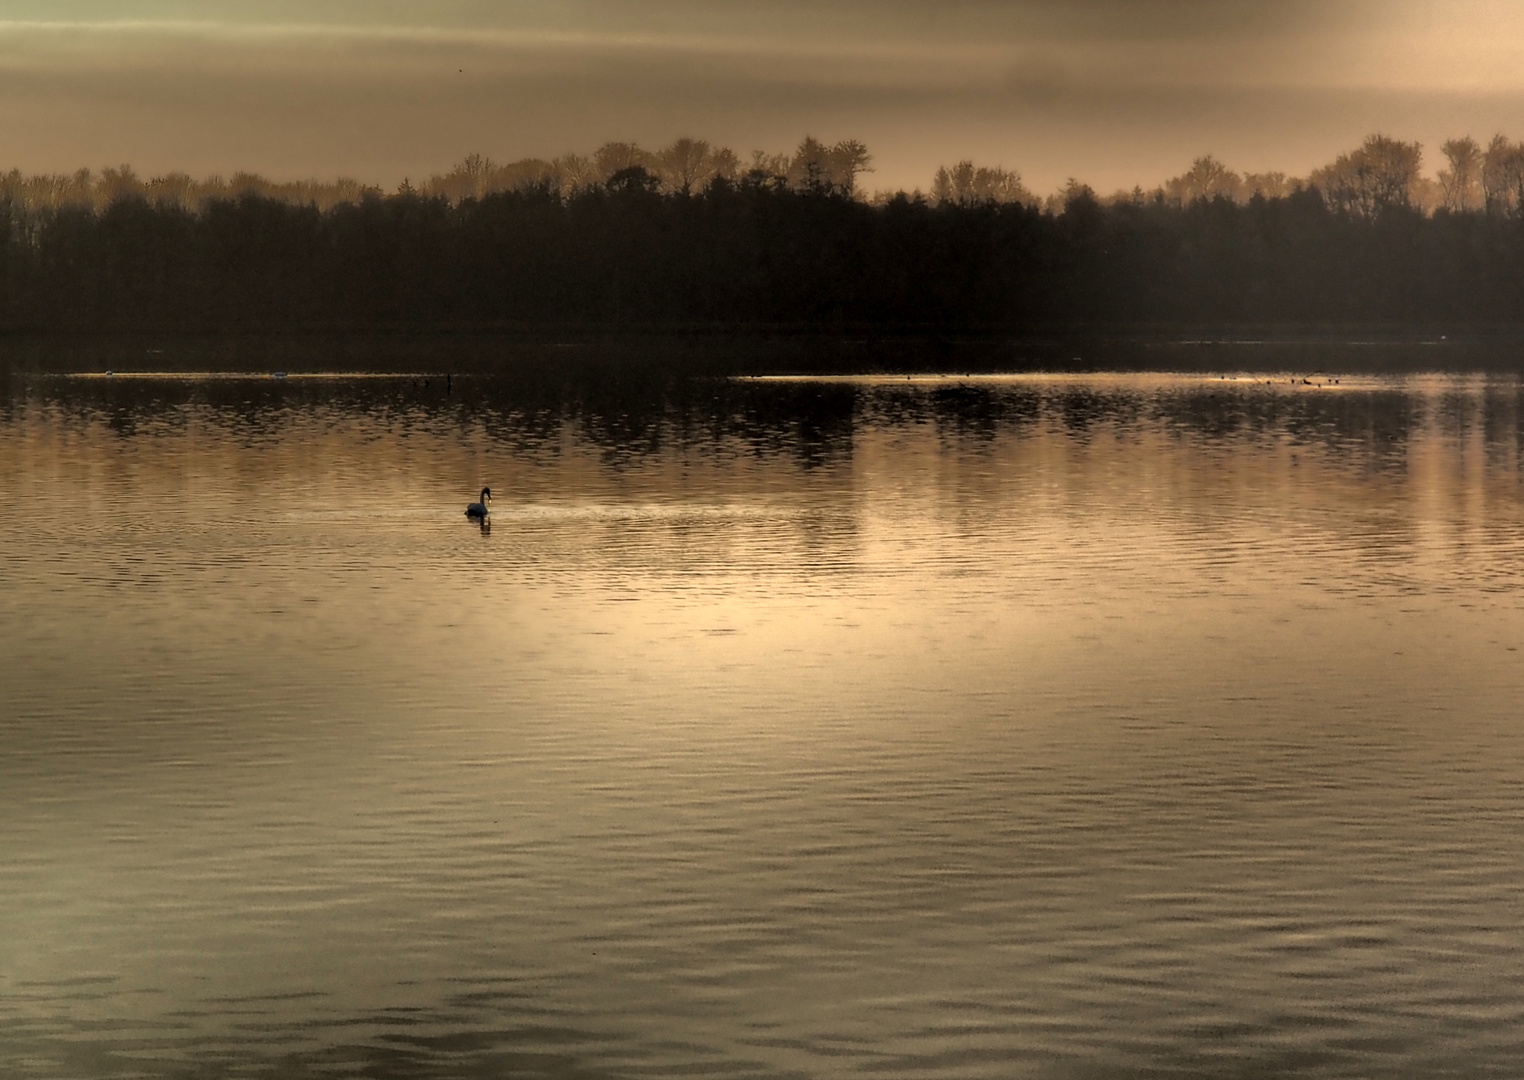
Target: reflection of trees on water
x,y
1503,426
977,410
1374,428
1083,408
626,419
812,421
798,472
639,415
1374,425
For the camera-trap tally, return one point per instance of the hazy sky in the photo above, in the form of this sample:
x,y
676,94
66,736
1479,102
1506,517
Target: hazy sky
x,y
1115,92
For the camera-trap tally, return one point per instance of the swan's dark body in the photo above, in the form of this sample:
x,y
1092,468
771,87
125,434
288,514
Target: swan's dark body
x,y
483,508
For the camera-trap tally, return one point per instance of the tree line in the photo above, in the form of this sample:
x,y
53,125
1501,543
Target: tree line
x,y
686,166
1381,174
693,239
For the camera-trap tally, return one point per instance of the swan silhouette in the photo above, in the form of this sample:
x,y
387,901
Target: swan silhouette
x,y
483,508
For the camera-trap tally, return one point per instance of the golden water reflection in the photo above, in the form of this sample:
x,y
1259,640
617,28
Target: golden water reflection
x,y
1007,726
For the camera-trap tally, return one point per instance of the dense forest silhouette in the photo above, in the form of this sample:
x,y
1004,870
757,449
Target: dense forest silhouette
x,y
693,236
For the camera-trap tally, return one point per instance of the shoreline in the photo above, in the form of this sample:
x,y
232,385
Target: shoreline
x,y
775,350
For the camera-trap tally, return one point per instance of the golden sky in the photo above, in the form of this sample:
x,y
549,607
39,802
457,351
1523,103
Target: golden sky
x,y
1114,92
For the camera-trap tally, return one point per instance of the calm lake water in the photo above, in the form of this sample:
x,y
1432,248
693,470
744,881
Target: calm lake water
x,y
1041,726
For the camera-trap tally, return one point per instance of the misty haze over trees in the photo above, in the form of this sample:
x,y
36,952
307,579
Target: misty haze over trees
x,y
686,167
694,235
1382,172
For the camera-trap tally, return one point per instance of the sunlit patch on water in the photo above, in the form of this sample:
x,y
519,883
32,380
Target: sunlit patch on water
x,y
505,510
1050,726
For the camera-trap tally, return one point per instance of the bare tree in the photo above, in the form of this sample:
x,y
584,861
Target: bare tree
x,y
1207,178
766,170
118,184
615,157
966,184
684,165
470,179
1381,175
574,173
174,191
821,168
530,172
1267,185
476,177
690,165
1502,176
849,159
725,164
1461,183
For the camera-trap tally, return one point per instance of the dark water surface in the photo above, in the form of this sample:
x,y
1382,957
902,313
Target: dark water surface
x,y
1069,726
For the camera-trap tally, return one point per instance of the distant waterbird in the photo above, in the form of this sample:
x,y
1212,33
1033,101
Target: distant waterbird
x,y
483,508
